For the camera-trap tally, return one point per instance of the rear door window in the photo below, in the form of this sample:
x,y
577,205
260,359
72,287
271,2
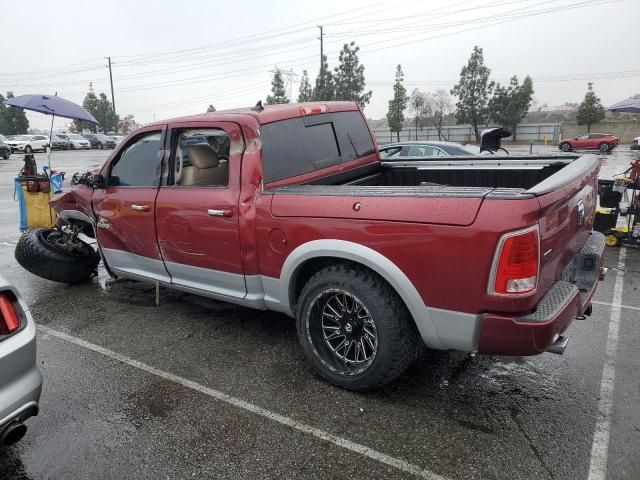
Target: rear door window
x,y
302,145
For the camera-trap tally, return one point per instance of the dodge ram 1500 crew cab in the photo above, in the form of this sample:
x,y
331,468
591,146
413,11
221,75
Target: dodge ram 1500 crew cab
x,y
290,208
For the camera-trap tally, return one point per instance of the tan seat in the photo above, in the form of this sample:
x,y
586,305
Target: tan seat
x,y
206,168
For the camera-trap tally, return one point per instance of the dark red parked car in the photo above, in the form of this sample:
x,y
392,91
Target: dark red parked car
x,y
604,142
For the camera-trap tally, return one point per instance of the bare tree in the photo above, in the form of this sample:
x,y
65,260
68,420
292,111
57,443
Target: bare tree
x,y
418,103
439,106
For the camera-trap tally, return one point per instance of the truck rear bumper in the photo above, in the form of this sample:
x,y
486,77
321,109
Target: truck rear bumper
x,y
534,333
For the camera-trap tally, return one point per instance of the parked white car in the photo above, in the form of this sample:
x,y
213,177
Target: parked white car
x,y
78,142
28,143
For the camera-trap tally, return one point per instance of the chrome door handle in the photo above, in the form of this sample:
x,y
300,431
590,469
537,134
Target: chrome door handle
x,y
140,208
214,212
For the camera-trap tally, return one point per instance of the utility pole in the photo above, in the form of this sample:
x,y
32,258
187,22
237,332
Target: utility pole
x,y
113,99
321,48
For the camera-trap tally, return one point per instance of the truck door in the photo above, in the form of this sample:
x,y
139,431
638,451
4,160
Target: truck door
x,y
197,212
125,208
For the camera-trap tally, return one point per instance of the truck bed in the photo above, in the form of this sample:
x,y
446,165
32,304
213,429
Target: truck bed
x,y
468,177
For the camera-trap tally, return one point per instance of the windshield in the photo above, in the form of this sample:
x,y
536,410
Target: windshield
x,y
102,137
21,138
75,136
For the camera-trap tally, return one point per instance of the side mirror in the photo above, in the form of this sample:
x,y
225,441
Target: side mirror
x,y
97,181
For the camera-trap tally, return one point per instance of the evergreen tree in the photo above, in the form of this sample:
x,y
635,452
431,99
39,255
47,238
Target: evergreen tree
x,y
90,104
4,127
277,88
473,92
13,120
324,89
509,105
211,108
397,105
306,92
349,77
590,110
105,115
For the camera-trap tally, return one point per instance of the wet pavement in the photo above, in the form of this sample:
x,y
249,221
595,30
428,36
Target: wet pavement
x,y
202,389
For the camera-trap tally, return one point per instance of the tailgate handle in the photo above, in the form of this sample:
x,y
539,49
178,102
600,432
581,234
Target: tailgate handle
x,y
140,208
214,212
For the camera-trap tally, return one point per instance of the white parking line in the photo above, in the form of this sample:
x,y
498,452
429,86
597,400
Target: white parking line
x,y
630,307
236,402
600,445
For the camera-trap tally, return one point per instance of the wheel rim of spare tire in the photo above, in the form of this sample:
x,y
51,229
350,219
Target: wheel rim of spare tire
x,y
54,239
342,331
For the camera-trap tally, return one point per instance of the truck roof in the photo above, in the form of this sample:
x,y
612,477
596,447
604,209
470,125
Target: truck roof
x,y
269,113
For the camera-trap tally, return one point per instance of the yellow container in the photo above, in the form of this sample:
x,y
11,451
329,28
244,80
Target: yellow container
x,y
39,213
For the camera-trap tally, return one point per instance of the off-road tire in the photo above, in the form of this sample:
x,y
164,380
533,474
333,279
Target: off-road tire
x,y
42,259
565,147
399,342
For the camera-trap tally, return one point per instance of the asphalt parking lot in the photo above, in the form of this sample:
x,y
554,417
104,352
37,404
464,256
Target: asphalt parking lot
x,y
196,388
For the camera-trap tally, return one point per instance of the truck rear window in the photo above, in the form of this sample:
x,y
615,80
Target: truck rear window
x,y
306,144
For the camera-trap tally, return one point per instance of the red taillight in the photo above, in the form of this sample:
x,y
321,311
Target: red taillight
x,y
313,109
8,317
515,269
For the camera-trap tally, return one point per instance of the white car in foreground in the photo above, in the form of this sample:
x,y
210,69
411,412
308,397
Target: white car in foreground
x,y
78,142
28,143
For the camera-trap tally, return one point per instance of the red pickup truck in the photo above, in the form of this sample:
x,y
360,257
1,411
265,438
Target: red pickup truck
x,y
290,208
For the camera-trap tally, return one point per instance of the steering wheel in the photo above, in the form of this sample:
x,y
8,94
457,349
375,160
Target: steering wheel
x,y
179,166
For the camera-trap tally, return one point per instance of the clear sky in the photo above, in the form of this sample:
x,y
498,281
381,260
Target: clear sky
x,y
175,58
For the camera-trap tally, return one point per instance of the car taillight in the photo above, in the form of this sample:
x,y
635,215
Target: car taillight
x,y
515,266
9,321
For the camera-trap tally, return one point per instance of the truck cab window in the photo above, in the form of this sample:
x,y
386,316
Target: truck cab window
x,y
138,164
201,158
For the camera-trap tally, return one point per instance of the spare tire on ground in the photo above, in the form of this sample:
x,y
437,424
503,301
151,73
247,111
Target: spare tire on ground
x,y
54,255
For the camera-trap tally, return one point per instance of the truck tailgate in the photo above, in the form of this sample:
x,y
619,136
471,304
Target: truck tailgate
x,y
566,217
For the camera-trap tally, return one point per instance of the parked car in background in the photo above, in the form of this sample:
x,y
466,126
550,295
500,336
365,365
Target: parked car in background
x,y
78,142
20,379
100,141
60,141
117,138
5,149
635,145
426,149
590,141
28,143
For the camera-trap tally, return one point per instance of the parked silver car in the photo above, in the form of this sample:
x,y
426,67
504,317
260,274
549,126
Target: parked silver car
x,y
20,379
394,151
